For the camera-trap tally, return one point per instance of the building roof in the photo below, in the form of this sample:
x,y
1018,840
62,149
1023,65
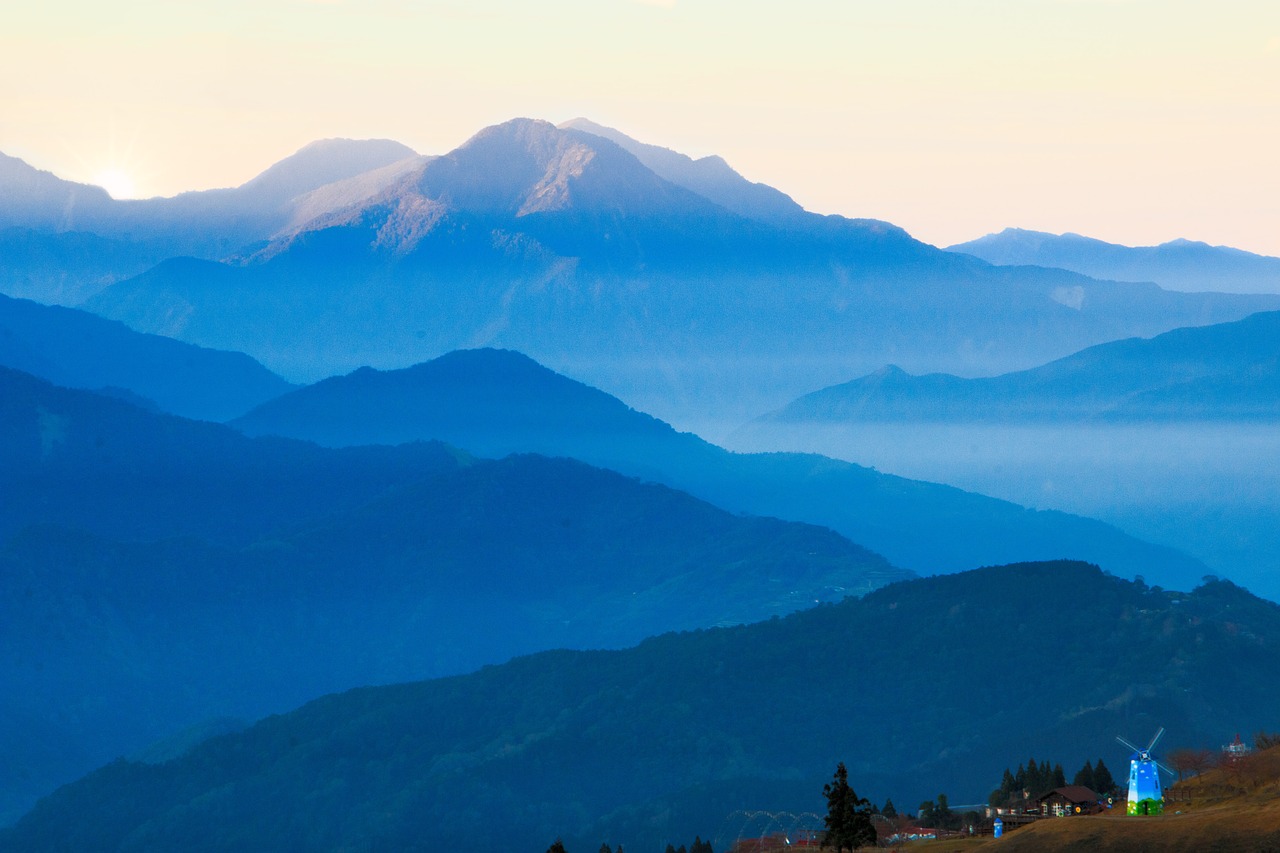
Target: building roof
x,y
1072,794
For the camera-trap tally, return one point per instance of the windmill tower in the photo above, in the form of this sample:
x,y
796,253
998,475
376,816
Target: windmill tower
x,y
1145,796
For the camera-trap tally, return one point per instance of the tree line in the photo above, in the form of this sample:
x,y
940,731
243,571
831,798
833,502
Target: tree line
x,y
1033,779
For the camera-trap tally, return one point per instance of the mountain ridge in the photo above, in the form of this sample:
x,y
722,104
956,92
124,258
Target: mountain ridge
x,y
494,402
156,571
81,350
1180,264
1228,371
667,739
58,215
561,244
710,177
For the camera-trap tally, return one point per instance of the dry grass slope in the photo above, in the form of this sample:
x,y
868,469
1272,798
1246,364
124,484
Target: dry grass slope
x,y
1233,809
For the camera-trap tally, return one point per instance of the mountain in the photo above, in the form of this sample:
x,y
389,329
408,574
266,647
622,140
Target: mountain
x,y
38,199
920,687
64,242
81,460
1223,372
494,402
1171,439
561,244
156,572
1177,265
66,268
710,177
81,350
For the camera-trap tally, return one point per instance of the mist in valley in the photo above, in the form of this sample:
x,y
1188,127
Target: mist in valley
x,y
1205,488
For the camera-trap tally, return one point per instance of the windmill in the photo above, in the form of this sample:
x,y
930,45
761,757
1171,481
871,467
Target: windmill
x,y
1145,796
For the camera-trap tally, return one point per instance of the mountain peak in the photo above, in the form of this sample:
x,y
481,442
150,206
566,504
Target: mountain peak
x,y
710,177
529,166
326,161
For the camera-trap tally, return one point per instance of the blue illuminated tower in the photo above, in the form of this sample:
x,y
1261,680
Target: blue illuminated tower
x,y
1145,796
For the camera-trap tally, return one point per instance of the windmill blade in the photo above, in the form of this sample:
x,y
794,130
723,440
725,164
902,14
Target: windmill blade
x,y
1127,744
1162,767
1159,735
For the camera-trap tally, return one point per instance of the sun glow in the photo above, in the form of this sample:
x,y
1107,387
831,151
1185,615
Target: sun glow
x,y
116,182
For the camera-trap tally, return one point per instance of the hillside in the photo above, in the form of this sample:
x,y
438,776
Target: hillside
x,y
81,460
80,350
494,402
1234,809
564,245
1184,265
665,740
1223,372
232,577
68,267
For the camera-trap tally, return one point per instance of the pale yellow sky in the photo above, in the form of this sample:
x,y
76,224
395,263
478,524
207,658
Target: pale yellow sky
x,y
1131,120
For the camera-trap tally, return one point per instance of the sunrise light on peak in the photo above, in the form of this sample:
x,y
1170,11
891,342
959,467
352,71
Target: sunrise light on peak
x,y
117,184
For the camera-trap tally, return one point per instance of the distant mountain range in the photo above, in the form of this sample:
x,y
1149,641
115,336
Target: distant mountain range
x,y
81,350
673,283
494,402
922,687
62,242
157,572
1223,372
1177,265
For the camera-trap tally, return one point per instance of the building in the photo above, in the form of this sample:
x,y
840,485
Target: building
x,y
1235,750
1071,800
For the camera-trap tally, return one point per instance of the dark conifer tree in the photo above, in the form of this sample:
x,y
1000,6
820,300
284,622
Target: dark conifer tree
x,y
848,819
889,811
943,812
1084,776
557,846
605,848
1103,783
1059,778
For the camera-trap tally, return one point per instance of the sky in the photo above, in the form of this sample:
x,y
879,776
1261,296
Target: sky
x,y
1135,121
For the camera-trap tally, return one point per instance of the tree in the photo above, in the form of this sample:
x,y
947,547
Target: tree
x,y
1180,761
889,811
557,846
943,813
1084,776
1059,779
848,819
1102,781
